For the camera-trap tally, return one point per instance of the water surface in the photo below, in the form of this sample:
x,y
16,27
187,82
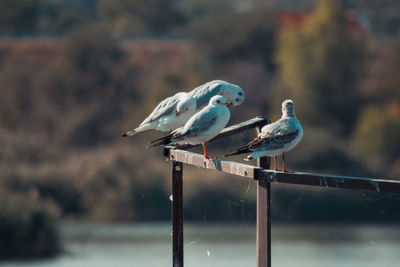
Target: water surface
x,y
225,246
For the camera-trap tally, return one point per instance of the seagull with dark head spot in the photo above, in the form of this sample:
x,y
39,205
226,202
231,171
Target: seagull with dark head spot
x,y
173,112
231,92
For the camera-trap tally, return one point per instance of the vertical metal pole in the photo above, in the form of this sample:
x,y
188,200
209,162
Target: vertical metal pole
x,y
177,214
263,216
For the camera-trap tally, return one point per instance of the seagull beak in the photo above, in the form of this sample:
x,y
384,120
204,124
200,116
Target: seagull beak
x,y
228,104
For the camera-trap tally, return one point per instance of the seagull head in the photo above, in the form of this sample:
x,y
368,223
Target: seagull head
x,y
218,101
288,108
186,103
233,93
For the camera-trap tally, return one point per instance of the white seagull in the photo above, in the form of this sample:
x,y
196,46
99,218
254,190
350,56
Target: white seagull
x,y
203,126
232,93
276,138
171,113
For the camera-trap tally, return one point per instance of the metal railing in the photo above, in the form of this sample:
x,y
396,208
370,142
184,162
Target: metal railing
x,y
264,178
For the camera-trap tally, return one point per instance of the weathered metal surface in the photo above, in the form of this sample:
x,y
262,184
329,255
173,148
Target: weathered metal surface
x,y
214,164
263,237
234,129
177,214
332,181
264,179
300,178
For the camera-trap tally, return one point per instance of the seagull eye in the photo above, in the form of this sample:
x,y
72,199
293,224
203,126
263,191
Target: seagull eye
x,y
240,93
237,99
218,101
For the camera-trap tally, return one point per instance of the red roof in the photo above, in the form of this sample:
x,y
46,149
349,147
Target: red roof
x,y
353,25
296,18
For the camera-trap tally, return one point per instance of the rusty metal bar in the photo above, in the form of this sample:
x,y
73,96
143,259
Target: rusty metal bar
x,y
264,179
263,238
332,181
300,178
177,214
235,129
263,217
214,164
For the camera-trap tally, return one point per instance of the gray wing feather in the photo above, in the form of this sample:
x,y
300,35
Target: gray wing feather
x,y
276,135
276,141
204,92
201,123
165,108
281,127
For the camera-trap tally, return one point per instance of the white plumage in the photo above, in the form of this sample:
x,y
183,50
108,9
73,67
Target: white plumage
x,y
231,92
201,127
276,138
171,113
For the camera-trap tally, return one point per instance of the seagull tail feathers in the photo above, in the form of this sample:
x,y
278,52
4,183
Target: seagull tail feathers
x,y
161,141
140,129
130,133
255,155
250,157
238,151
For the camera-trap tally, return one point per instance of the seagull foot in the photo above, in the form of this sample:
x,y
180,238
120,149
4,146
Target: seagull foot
x,y
248,158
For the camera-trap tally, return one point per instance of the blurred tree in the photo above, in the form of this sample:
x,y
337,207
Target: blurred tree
x,y
319,68
383,17
115,200
16,90
200,10
18,16
40,16
378,131
90,84
88,56
225,32
59,17
382,83
28,227
138,17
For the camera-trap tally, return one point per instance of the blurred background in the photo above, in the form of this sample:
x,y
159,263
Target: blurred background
x,y
76,74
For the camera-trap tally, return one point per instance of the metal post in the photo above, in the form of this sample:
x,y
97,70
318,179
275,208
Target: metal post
x,y
177,214
263,216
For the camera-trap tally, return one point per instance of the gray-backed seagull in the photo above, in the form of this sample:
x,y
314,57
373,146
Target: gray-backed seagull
x,y
171,113
276,138
203,126
203,93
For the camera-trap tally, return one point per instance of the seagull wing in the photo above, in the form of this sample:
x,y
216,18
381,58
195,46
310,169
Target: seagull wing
x,y
204,92
199,124
272,141
275,136
164,108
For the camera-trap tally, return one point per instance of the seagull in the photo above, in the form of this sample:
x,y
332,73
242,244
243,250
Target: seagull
x,y
171,113
203,126
276,138
203,93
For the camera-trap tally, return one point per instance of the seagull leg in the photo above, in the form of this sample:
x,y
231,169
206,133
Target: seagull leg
x,y
275,164
283,163
205,151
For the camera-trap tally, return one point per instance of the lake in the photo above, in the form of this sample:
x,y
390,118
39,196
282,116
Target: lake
x,y
220,245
